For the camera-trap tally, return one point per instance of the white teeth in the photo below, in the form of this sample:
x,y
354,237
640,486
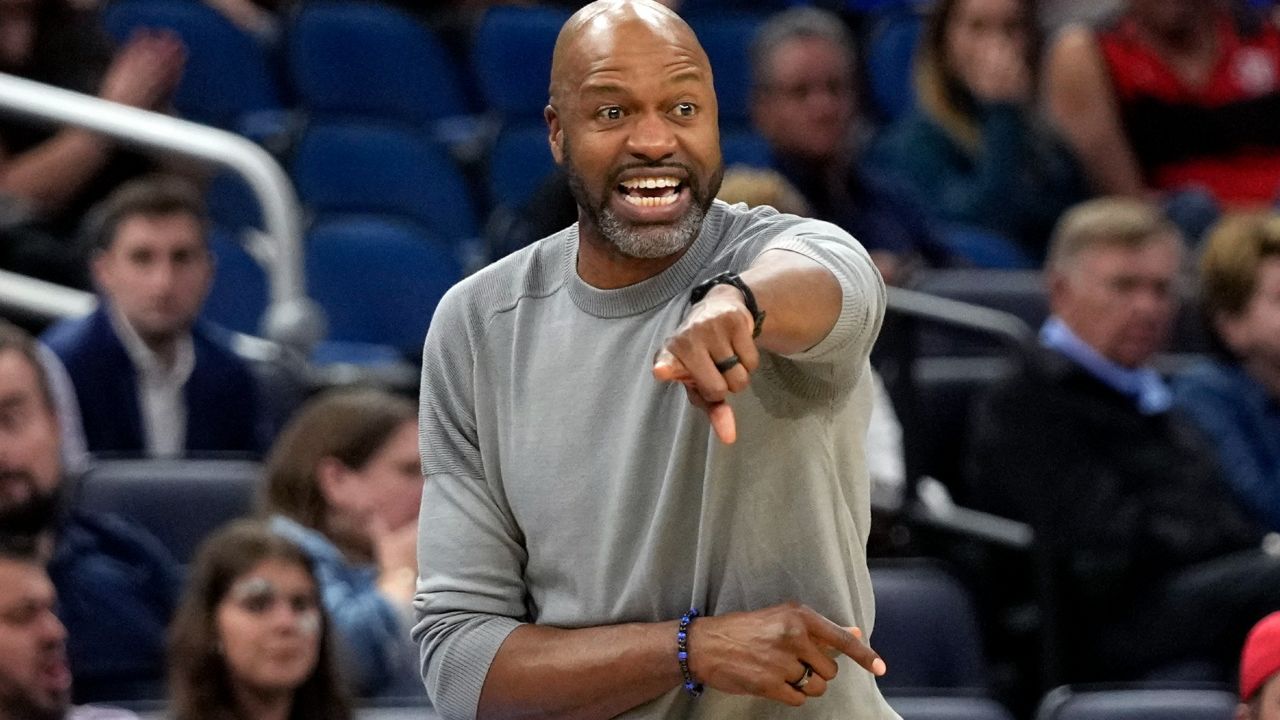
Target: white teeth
x,y
650,182
651,201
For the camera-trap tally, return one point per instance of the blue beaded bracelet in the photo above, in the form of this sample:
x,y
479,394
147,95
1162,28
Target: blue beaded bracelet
x,y
682,652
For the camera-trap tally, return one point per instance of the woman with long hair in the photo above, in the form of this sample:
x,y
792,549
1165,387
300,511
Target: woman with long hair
x,y
973,144
250,640
344,481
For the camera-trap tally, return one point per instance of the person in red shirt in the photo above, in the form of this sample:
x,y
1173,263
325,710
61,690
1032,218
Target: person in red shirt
x,y
1173,95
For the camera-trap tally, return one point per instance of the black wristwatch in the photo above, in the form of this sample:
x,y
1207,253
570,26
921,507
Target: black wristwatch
x,y
748,297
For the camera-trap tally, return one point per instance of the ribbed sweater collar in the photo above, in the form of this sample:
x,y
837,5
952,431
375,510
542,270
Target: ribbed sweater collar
x,y
646,294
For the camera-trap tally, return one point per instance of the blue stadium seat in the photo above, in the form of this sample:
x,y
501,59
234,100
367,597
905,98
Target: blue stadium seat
x,y
364,168
228,74
946,707
890,50
511,58
179,501
378,280
519,162
350,59
1137,703
240,293
745,147
926,629
727,40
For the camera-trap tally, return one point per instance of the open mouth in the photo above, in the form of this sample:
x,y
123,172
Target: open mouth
x,y
649,192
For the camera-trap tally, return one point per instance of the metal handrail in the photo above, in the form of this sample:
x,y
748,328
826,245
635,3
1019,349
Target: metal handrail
x,y
292,318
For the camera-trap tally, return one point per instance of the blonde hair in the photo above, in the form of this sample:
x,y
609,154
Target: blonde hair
x,y
1106,222
760,186
1235,247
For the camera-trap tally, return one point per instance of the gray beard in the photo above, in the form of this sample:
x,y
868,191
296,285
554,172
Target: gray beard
x,y
650,241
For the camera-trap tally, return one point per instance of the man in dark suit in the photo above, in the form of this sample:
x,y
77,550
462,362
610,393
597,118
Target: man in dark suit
x,y
150,378
1154,565
117,585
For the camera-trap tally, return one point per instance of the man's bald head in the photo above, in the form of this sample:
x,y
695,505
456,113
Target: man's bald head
x,y
595,28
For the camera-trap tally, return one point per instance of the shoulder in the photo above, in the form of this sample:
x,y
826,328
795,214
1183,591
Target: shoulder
x,y
1209,380
80,338
533,271
94,712
739,224
313,542
86,536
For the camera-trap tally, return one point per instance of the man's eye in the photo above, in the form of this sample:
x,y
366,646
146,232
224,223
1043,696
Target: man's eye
x,y
613,112
686,109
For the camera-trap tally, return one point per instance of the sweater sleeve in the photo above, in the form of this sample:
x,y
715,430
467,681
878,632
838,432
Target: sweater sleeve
x,y
471,556
861,287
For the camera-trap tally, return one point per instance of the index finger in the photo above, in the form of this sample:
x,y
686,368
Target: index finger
x,y
846,642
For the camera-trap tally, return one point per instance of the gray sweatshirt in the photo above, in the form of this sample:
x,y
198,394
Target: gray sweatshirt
x,y
567,487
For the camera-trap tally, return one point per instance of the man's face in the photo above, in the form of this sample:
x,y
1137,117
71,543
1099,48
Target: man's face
x,y
1254,334
1120,300
634,125
35,681
30,468
805,105
156,272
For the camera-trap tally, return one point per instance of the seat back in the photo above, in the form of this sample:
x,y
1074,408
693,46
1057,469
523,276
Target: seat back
x,y
178,501
926,628
367,168
1137,703
947,707
378,280
368,60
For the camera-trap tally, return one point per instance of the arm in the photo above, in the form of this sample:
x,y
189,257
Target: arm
x,y
1082,106
143,74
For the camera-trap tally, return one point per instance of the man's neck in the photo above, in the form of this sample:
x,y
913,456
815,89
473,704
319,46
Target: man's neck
x,y
601,265
165,349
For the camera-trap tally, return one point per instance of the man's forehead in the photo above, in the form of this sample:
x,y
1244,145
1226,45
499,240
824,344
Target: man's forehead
x,y
594,38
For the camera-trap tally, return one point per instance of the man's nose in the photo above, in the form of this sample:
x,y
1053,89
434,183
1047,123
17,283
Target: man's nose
x,y
651,138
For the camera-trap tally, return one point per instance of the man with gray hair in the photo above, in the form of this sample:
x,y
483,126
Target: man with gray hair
x,y
1147,549
804,103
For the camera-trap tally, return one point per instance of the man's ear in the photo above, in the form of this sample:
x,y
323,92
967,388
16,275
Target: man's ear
x,y
555,134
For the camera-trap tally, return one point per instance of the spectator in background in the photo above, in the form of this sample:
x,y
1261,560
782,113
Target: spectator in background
x,y
51,176
250,640
149,376
804,104
35,680
972,143
117,584
1259,663
1175,95
1136,526
344,482
1235,398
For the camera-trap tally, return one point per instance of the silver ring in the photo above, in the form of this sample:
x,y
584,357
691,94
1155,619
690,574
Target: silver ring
x,y
804,679
727,364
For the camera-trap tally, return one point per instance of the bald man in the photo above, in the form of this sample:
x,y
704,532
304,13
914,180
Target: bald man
x,y
643,436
